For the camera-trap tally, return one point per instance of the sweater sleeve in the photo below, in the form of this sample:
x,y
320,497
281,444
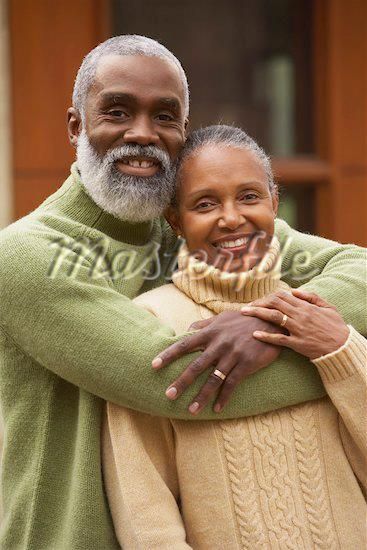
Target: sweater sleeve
x,y
336,272
344,373
141,480
83,330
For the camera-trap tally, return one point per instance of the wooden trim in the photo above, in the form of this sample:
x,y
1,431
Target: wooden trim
x,y
341,107
300,170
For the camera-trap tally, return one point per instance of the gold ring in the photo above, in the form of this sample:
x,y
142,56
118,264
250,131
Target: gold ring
x,y
284,320
219,374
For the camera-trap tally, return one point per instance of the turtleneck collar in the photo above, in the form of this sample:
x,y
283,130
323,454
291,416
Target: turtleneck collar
x,y
219,290
78,205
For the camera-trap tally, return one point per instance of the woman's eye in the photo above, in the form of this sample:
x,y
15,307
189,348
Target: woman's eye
x,y
204,204
249,196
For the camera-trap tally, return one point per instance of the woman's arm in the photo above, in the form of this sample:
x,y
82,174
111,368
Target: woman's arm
x,y
344,373
141,480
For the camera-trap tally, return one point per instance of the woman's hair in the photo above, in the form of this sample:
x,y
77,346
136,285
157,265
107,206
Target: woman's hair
x,y
227,136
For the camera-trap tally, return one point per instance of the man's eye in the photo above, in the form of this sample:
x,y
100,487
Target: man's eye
x,y
165,117
118,113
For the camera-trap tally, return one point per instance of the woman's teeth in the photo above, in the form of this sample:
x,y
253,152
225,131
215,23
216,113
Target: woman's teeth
x,y
139,163
232,244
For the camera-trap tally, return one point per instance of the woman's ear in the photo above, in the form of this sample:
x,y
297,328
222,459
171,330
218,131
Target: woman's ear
x,y
275,200
171,215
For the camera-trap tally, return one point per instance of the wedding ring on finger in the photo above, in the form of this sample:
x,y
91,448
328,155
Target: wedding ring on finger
x,y
219,374
284,320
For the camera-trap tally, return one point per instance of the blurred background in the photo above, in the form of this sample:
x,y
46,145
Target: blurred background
x,y
292,73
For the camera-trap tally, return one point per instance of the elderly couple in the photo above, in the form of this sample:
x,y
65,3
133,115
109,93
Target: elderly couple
x,y
249,431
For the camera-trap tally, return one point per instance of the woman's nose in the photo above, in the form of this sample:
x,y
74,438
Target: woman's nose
x,y
141,131
231,218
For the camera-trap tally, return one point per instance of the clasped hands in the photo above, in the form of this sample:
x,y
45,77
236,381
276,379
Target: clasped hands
x,y
240,343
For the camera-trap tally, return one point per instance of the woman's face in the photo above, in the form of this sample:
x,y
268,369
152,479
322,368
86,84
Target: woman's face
x,y
225,209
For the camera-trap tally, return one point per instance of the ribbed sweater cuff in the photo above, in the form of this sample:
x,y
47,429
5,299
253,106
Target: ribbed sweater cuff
x,y
349,359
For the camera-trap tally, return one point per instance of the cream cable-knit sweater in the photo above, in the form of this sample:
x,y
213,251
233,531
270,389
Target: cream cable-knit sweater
x,y
293,478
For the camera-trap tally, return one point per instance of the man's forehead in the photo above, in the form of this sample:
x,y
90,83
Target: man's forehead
x,y
138,70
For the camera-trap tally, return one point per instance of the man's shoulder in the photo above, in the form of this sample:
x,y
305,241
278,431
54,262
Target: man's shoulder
x,y
30,234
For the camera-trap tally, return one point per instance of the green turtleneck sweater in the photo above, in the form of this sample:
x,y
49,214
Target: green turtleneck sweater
x,y
70,337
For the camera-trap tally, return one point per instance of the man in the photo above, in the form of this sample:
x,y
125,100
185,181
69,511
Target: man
x,y
70,336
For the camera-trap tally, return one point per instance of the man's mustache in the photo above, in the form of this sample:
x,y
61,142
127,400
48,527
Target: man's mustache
x,y
135,150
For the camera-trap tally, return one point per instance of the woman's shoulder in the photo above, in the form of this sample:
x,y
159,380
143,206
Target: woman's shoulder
x,y
172,306
160,295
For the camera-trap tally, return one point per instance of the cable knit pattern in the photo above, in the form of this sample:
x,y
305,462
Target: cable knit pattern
x,y
239,463
271,460
313,479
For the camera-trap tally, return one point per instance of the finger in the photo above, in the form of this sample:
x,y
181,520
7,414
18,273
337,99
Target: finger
x,y
211,386
275,302
201,324
271,315
207,359
226,390
273,338
310,297
188,344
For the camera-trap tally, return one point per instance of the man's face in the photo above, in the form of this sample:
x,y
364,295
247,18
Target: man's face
x,y
133,130
136,99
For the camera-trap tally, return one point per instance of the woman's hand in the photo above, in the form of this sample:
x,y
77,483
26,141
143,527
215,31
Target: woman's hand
x,y
315,327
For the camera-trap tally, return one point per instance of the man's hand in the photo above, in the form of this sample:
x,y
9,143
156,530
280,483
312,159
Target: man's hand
x,y
229,346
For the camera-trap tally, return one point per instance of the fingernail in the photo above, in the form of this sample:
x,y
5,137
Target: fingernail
x,y
194,407
171,392
217,408
245,309
257,333
157,362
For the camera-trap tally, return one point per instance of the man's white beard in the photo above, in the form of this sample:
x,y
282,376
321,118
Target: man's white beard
x,y
130,198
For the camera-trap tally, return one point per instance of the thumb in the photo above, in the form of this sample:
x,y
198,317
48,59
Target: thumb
x,y
310,297
198,325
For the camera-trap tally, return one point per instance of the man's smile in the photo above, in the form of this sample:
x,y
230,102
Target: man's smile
x,y
138,166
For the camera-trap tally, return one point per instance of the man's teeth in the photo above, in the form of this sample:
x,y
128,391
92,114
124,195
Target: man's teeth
x,y
232,244
139,163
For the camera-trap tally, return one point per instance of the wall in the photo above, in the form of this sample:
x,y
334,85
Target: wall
x,y
5,138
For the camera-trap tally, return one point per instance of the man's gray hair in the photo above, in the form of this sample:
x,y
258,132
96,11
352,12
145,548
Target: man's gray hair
x,y
126,44
228,136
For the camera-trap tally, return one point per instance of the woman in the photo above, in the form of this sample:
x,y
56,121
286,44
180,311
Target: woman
x,y
290,478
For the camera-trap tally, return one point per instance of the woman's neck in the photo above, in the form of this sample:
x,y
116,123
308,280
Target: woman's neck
x,y
220,290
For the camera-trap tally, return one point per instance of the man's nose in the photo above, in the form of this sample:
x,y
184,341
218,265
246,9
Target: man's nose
x,y
231,218
141,131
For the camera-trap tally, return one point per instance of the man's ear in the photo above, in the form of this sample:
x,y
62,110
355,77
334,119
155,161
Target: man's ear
x,y
74,126
186,126
171,216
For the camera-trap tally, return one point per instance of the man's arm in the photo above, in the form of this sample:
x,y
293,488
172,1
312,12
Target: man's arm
x,y
336,272
88,334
